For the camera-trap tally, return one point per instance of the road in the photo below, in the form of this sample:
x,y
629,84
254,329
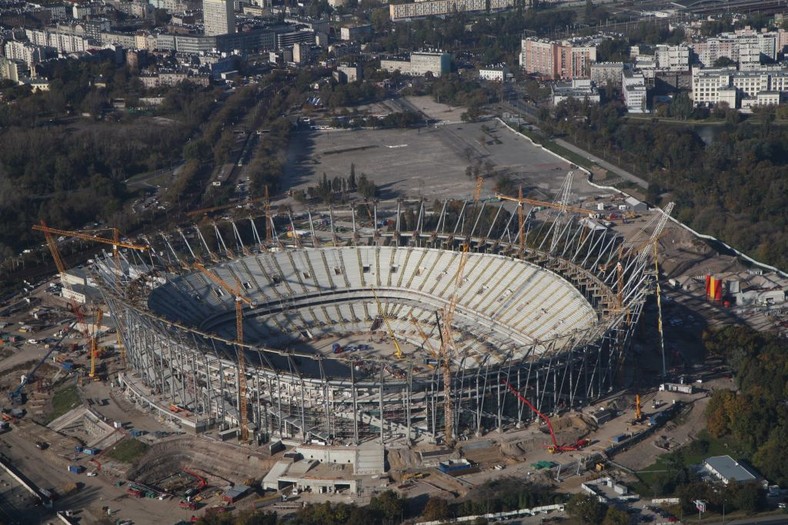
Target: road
x,y
529,112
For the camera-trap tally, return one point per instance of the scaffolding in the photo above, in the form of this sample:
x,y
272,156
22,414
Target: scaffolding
x,y
179,330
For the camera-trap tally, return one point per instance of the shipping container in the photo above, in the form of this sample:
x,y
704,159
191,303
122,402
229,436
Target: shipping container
x,y
75,469
619,438
454,465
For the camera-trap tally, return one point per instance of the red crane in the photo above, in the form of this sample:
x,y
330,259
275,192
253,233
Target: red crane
x,y
201,481
555,448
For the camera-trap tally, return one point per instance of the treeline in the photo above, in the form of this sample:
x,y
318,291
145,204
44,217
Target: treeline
x,y
338,189
71,170
755,417
386,508
733,188
402,119
389,508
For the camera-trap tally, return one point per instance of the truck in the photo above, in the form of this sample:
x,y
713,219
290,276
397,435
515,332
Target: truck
x,y
76,469
187,505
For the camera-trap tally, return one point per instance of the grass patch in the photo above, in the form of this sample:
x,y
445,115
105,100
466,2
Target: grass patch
x,y
64,400
128,450
670,464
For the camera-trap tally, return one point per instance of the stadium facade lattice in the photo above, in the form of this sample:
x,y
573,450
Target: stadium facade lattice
x,y
549,307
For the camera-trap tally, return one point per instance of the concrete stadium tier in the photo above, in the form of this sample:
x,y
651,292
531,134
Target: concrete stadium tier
x,y
551,316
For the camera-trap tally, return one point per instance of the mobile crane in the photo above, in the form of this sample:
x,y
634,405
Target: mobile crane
x,y
555,448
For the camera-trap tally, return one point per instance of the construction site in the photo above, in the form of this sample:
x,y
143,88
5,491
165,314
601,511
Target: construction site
x,y
287,357
345,334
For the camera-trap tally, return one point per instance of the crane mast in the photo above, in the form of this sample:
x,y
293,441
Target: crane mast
x,y
560,205
397,350
94,344
240,300
446,343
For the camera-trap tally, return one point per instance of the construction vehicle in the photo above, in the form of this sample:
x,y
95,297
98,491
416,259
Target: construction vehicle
x,y
240,300
201,481
638,410
397,350
555,448
17,395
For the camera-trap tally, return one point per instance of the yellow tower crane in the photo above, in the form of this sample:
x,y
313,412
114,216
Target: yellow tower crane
x,y
424,336
477,191
94,345
521,201
115,242
397,350
445,351
240,300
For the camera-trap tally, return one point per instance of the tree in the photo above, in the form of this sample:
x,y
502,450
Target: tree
x,y
366,188
586,508
351,180
615,516
681,107
749,497
436,509
724,62
389,504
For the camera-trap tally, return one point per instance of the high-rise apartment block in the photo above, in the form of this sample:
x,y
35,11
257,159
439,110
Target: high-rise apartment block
x,y
557,60
218,17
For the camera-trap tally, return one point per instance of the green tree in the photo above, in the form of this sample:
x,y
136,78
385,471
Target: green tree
x,y
586,508
724,62
749,497
436,509
615,516
351,180
389,504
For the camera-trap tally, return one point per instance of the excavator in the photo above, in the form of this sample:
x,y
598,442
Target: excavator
x,y
555,448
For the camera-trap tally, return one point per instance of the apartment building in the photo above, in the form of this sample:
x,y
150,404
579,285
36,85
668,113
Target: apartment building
x,y
557,60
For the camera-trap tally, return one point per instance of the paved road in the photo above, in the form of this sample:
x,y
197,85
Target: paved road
x,y
530,112
603,163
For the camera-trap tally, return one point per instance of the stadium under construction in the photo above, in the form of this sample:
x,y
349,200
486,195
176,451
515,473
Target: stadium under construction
x,y
372,325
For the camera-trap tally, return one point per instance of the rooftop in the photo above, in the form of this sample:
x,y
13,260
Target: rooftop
x,y
729,469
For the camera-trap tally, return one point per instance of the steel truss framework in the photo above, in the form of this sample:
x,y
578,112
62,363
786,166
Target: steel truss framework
x,y
198,370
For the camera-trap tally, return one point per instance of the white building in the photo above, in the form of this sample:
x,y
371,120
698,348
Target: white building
x,y
62,42
710,86
633,86
604,72
672,58
422,63
218,17
14,70
727,470
24,51
494,74
579,89
419,64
